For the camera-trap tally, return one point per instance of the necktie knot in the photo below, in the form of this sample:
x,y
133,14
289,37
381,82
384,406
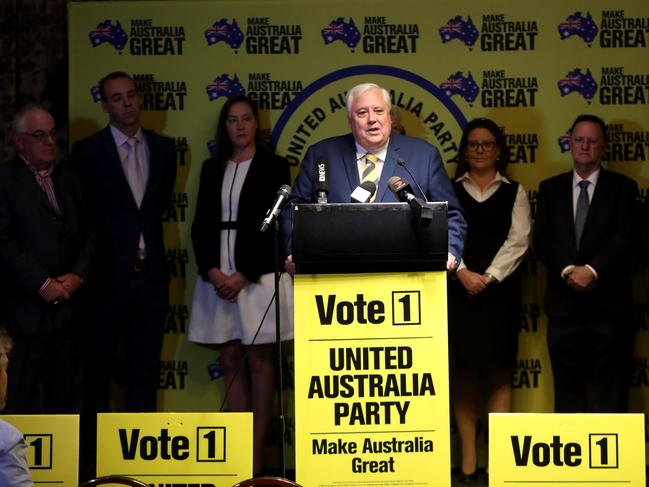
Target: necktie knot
x,y
583,184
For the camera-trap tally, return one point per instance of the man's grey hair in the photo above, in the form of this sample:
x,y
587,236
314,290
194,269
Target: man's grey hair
x,y
358,90
18,124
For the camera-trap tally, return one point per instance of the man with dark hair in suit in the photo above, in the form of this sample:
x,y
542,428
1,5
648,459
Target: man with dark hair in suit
x,y
584,235
130,174
47,247
372,153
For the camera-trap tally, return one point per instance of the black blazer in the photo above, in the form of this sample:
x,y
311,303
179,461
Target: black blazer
x,y
607,244
120,220
36,243
253,251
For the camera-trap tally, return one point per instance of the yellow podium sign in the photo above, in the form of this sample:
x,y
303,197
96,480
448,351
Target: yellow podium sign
x,y
198,449
371,380
53,446
566,449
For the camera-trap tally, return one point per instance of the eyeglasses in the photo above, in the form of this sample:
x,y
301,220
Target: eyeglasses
x,y
487,145
41,135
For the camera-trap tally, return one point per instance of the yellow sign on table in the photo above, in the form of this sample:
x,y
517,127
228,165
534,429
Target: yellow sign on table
x,y
53,446
202,449
371,380
566,449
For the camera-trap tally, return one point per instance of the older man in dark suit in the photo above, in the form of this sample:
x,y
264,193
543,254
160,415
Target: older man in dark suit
x,y
584,236
372,153
130,174
47,247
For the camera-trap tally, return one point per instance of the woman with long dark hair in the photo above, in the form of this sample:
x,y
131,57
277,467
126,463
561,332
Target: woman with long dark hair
x,y
485,294
232,307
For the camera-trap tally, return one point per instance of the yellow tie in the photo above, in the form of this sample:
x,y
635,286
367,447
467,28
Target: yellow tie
x,y
370,172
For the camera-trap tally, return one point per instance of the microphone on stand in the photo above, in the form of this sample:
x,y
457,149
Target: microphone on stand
x,y
402,163
404,192
364,192
274,211
322,184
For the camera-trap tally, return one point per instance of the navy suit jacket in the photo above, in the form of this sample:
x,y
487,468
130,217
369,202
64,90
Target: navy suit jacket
x,y
120,220
36,242
422,159
607,244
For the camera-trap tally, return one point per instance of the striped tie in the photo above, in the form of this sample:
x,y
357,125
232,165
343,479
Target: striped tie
x,y
370,172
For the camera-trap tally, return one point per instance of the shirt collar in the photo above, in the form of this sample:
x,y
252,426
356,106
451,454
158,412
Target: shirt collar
x,y
382,153
499,177
46,172
593,177
120,137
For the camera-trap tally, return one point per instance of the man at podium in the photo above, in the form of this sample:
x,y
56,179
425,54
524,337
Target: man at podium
x,y
338,169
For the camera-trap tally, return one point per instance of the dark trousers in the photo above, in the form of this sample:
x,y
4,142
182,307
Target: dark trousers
x,y
134,317
45,369
587,362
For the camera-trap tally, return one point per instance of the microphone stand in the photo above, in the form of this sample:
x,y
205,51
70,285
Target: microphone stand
x,y
281,420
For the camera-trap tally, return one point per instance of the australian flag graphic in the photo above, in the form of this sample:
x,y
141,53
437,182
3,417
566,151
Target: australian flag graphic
x,y
94,93
339,30
578,25
106,32
456,28
224,86
458,84
564,142
222,31
582,83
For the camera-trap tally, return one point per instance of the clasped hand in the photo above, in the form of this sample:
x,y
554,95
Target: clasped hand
x,y
227,286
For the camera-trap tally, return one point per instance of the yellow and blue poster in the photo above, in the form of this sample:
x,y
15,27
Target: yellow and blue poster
x,y
371,380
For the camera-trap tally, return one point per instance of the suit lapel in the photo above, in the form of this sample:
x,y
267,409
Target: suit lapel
x,y
350,163
154,167
389,168
26,180
598,199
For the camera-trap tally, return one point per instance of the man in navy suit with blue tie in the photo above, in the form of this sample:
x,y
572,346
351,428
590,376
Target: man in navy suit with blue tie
x,y
372,153
129,173
584,234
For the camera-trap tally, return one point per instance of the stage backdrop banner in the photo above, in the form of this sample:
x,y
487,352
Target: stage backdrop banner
x,y
210,449
52,446
371,380
566,449
531,69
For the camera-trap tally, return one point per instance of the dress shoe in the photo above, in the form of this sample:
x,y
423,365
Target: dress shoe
x,y
469,478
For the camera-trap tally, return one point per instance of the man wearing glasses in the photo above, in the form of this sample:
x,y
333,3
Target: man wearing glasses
x,y
46,250
584,235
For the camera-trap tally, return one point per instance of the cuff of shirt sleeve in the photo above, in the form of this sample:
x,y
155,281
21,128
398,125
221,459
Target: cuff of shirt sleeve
x,y
592,270
565,270
42,289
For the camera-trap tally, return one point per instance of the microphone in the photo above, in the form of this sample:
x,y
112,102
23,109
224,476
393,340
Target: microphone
x,y
322,185
364,192
402,163
273,213
404,192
